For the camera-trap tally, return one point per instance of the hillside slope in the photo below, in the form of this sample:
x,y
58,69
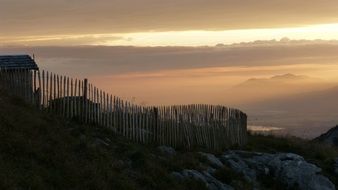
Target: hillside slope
x,y
40,151
330,137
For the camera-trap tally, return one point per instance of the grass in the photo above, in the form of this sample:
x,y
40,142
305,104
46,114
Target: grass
x,y
41,151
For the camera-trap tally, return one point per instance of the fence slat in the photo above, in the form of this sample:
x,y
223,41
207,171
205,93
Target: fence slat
x,y
211,126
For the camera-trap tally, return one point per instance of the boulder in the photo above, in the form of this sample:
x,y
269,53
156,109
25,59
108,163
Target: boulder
x,y
293,171
167,150
241,167
230,155
194,174
237,164
177,175
214,184
336,166
211,170
290,169
259,163
247,154
319,182
213,160
210,182
99,142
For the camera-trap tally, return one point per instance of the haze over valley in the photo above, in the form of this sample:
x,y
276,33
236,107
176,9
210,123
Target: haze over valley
x,y
289,84
176,94
276,60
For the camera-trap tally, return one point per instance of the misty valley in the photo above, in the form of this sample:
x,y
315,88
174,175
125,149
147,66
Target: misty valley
x,y
163,95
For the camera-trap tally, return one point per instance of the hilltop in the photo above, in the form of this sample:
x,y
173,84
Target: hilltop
x,y
330,137
43,151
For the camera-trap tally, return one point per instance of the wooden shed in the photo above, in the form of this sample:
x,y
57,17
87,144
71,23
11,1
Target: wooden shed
x,y
15,62
20,69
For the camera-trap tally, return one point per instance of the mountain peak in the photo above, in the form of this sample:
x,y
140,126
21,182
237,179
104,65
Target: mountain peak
x,y
276,85
288,76
277,78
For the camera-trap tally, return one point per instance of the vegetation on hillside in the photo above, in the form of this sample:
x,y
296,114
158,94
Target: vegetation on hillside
x,y
42,151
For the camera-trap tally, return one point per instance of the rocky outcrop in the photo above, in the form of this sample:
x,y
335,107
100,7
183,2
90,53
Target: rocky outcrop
x,y
289,169
98,142
167,150
213,160
336,166
210,182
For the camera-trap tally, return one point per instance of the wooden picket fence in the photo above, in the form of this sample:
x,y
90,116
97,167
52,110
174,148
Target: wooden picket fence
x,y
187,126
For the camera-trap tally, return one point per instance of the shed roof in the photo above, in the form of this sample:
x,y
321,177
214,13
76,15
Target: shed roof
x,y
17,62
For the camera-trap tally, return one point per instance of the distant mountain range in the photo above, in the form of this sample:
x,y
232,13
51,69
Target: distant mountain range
x,y
305,114
285,79
278,86
323,101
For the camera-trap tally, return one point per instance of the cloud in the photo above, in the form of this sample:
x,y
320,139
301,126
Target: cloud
x,y
105,60
61,40
37,17
173,75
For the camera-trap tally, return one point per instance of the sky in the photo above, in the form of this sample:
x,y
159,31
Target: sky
x,y
226,52
164,23
178,75
193,40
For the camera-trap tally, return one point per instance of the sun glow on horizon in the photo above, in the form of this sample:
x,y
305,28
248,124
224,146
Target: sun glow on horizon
x,y
180,38
211,38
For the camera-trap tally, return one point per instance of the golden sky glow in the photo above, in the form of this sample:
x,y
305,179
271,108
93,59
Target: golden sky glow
x,y
181,38
134,48
164,23
60,17
271,26
201,38
215,85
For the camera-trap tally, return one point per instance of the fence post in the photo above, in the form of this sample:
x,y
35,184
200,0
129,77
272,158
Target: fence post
x,y
85,95
184,125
